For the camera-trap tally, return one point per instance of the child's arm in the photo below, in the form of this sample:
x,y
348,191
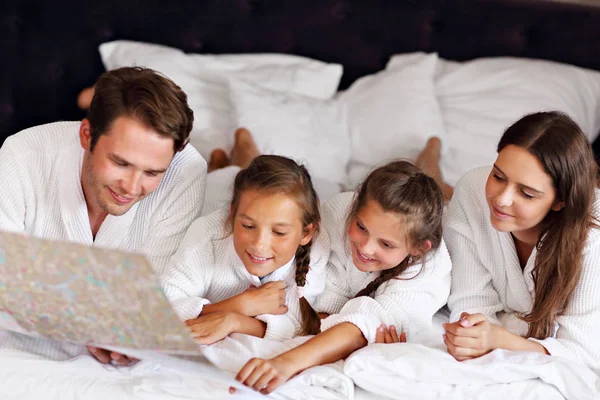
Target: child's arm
x,y
266,299
407,302
217,326
327,347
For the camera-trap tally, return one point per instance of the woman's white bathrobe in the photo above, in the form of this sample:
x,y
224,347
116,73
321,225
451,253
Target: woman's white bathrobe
x,y
206,269
408,304
487,277
40,176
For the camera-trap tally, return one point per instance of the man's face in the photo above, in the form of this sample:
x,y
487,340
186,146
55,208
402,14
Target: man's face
x,y
126,165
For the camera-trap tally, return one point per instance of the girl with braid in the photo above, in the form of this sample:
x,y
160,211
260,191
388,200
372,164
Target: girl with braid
x,y
388,272
251,267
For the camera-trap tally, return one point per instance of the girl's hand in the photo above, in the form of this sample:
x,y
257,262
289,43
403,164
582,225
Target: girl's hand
x,y
470,337
211,328
389,335
265,376
266,299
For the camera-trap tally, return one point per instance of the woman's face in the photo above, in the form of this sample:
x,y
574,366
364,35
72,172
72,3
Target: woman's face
x,y
519,192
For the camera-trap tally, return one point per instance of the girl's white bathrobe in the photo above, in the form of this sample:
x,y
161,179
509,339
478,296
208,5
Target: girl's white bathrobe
x,y
206,269
487,277
40,175
408,304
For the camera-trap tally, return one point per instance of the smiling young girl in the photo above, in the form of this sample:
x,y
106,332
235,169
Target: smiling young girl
x,y
525,246
388,267
245,268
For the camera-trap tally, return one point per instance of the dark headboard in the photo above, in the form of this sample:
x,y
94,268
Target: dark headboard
x,y
49,48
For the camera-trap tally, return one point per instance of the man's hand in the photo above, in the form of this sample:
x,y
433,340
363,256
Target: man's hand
x,y
107,357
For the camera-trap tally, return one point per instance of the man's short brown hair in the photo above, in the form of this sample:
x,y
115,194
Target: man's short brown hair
x,y
142,94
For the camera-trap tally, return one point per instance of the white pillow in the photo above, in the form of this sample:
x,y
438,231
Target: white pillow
x,y
481,98
308,130
392,113
204,79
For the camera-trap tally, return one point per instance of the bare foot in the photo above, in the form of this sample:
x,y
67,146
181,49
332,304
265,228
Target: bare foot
x,y
244,149
429,161
85,98
218,160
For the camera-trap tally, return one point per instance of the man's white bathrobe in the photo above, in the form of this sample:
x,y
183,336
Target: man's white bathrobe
x,y
408,301
487,277
40,177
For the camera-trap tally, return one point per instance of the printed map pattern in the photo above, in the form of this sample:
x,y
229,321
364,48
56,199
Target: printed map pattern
x,y
84,294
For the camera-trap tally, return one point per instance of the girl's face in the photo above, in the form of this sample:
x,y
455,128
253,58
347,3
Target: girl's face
x,y
377,238
519,192
267,230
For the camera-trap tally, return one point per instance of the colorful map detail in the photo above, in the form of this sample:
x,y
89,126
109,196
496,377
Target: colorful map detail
x,y
83,294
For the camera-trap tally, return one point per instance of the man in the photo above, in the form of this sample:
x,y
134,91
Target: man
x,y
121,178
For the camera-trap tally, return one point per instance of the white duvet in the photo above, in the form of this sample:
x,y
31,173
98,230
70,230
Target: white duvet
x,y
32,368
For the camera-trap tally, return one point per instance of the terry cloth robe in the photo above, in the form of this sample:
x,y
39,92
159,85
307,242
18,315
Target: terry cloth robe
x,y
487,277
40,176
408,304
206,269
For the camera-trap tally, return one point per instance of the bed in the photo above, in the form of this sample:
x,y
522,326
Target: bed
x,y
52,52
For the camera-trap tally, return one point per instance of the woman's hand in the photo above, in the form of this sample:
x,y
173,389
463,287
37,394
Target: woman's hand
x,y
470,337
211,328
266,299
389,335
265,376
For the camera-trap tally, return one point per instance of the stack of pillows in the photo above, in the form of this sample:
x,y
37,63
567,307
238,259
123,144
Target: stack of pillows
x,y
292,107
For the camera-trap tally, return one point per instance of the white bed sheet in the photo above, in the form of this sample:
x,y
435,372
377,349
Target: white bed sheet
x,y
36,368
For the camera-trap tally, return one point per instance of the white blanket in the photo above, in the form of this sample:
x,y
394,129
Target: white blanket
x,y
36,368
425,370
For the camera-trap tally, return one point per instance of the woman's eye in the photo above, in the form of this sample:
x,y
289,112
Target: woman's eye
x,y
247,226
499,178
527,195
362,228
279,233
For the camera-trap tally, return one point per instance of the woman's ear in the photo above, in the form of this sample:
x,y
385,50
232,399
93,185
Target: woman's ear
x,y
308,234
422,249
559,205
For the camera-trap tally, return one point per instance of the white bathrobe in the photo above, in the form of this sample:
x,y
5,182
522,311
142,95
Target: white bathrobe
x,y
40,176
408,304
206,269
487,277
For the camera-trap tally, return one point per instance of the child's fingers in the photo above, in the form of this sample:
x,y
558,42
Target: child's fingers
x,y
394,334
380,335
387,336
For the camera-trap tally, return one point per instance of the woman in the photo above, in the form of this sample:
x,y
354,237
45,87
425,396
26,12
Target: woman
x,y
525,247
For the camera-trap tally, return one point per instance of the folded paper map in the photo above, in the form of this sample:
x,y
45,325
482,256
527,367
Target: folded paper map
x,y
85,294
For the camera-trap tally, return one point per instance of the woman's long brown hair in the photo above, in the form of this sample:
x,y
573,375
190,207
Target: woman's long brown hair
x,y
402,188
276,174
567,156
